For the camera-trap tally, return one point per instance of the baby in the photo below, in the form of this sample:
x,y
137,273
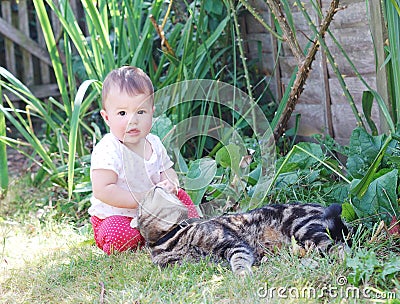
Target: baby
x,y
127,162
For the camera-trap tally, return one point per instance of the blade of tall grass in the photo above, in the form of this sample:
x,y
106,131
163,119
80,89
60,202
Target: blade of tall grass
x,y
396,6
202,49
3,153
75,121
14,86
68,63
101,46
71,26
16,145
144,39
53,52
198,22
22,127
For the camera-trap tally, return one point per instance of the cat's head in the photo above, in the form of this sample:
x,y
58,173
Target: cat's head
x,y
159,213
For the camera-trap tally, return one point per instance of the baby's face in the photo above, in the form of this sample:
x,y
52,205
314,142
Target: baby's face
x,y
129,117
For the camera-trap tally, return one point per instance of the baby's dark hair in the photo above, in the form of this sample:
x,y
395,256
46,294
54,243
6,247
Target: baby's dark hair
x,y
129,79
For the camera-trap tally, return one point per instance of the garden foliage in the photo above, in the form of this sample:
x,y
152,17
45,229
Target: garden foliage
x,y
179,41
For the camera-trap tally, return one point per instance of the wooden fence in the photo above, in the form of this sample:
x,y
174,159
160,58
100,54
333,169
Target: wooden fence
x,y
22,47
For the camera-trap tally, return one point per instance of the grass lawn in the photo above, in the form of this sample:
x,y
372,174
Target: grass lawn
x,y
49,261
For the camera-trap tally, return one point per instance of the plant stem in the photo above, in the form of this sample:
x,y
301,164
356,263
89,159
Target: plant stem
x,y
243,57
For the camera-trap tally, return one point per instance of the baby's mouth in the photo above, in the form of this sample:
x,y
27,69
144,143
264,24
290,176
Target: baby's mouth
x,y
133,131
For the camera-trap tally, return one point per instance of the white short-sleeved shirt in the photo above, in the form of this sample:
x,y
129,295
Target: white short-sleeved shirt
x,y
134,172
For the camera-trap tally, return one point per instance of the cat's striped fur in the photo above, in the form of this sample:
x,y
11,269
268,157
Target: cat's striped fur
x,y
243,238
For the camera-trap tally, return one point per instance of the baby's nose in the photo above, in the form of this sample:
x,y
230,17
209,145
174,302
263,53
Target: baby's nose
x,y
133,119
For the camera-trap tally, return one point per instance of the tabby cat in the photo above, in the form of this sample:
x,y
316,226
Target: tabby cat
x,y
241,239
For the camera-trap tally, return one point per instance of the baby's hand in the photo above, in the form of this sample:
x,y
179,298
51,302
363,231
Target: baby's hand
x,y
168,186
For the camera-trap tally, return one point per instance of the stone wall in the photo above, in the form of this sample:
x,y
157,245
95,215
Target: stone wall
x,y
323,107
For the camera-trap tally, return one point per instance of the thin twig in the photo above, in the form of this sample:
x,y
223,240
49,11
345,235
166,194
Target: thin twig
x,y
304,70
161,34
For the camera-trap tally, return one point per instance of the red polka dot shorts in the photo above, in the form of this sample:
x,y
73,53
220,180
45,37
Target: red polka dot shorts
x,y
115,233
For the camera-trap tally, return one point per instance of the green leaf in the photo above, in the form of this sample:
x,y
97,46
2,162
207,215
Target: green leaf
x,y
348,212
53,50
360,188
199,176
380,198
363,149
302,159
162,125
201,173
229,156
213,6
253,177
391,268
362,265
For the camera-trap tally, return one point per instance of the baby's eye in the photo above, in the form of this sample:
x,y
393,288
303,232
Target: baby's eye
x,y
121,113
141,112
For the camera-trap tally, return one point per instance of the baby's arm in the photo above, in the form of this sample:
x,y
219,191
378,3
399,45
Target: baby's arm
x,y
104,186
169,181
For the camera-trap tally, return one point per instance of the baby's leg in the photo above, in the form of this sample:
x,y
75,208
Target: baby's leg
x,y
115,234
187,201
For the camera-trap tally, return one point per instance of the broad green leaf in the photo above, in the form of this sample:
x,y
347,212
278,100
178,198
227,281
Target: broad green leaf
x,y
215,7
162,125
201,173
363,149
253,177
360,188
380,199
